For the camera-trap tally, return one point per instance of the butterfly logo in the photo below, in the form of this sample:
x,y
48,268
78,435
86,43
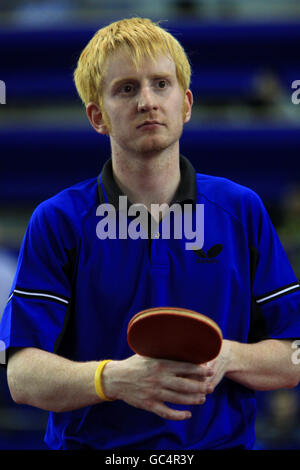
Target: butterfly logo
x,y
210,255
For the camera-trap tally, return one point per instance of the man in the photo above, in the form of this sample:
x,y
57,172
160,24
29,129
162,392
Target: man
x,y
75,292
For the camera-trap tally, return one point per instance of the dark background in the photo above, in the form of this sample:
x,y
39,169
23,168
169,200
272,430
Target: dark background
x,y
245,57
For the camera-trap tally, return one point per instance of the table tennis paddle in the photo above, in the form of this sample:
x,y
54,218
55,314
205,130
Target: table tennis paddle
x,y
174,333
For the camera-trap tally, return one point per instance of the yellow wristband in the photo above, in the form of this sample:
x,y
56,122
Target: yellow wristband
x,y
98,381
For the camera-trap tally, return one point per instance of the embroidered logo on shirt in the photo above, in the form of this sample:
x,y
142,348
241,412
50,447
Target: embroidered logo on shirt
x,y
209,256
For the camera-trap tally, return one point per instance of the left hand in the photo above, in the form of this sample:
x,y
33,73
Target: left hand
x,y
219,365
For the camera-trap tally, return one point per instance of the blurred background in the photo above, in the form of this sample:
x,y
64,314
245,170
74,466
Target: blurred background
x,y
245,126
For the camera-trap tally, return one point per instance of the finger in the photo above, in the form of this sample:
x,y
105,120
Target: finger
x,y
162,410
182,398
178,368
196,377
184,385
199,371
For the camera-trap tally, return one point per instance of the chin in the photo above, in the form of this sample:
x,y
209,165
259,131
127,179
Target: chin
x,y
153,150
155,146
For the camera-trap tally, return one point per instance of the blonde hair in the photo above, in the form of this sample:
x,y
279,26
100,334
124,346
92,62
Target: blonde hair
x,y
142,38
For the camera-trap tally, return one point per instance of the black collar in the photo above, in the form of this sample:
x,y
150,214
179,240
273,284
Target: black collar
x,y
186,191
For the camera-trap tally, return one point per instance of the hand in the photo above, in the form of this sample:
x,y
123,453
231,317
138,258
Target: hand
x,y
220,364
148,383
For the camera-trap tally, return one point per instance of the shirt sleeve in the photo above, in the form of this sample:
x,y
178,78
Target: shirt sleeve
x,y
275,287
40,296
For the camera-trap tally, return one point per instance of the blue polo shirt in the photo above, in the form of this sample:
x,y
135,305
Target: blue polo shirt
x,y
74,294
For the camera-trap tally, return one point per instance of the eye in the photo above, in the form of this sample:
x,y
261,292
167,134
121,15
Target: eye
x,y
127,88
162,83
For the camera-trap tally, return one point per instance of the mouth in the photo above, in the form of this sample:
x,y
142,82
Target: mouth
x,y
150,124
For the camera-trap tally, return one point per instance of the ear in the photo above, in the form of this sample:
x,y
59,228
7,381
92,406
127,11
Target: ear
x,y
188,103
95,117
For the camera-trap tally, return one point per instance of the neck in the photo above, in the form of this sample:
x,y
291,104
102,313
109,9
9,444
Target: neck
x,y
148,179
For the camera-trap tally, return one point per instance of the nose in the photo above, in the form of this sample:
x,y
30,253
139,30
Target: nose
x,y
146,100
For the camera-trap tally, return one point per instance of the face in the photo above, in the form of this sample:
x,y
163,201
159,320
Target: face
x,y
143,107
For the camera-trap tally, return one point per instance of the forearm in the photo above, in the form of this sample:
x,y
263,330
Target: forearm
x,y
266,365
51,382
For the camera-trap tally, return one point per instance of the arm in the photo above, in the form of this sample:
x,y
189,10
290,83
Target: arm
x,y
47,381
266,365
50,382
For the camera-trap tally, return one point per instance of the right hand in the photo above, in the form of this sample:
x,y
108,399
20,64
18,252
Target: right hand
x,y
148,383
